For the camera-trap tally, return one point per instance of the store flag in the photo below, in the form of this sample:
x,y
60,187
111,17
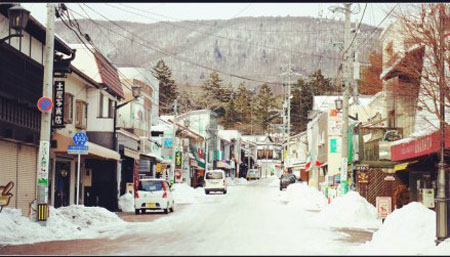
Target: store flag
x,y
308,162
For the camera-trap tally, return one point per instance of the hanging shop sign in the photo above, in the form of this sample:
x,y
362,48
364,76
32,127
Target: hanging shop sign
x,y
178,160
384,206
58,118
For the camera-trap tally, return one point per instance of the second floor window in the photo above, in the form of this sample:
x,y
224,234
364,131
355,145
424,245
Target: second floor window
x,y
68,108
110,108
81,115
100,105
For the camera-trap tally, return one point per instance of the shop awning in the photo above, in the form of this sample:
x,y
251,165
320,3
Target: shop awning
x,y
95,150
152,155
102,152
224,165
131,153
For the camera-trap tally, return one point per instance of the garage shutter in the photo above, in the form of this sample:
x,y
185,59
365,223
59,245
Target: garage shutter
x,y
8,167
27,168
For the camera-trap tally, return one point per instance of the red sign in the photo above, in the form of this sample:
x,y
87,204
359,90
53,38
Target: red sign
x,y
422,146
384,206
45,104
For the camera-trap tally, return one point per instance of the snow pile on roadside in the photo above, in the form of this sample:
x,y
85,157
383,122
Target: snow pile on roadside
x,y
350,210
126,202
86,217
239,181
73,222
184,194
303,196
275,183
409,230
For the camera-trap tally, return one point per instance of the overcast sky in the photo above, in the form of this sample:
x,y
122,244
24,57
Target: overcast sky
x,y
155,12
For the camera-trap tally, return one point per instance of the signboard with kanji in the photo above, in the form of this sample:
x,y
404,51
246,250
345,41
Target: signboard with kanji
x,y
363,178
178,159
384,206
58,118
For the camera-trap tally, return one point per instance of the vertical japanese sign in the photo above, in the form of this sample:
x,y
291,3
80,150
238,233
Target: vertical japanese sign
x,y
42,174
178,159
58,118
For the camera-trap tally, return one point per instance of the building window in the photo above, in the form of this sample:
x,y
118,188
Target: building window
x,y
81,118
100,105
68,108
110,108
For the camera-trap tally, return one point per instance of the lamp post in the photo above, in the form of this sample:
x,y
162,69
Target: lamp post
x,y
442,178
18,19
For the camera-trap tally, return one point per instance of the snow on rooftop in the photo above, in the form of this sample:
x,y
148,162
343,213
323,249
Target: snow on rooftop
x,y
139,73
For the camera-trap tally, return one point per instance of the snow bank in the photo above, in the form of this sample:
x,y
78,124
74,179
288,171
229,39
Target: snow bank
x,y
184,194
238,181
275,183
126,202
350,210
407,231
72,222
305,197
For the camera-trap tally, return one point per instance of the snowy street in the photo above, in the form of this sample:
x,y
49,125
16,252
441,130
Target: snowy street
x,y
253,218
250,219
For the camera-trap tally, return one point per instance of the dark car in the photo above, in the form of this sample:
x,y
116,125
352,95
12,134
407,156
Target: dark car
x,y
287,179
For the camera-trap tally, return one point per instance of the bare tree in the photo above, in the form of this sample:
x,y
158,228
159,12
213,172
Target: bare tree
x,y
419,69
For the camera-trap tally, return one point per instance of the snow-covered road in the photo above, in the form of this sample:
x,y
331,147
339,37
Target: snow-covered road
x,y
251,219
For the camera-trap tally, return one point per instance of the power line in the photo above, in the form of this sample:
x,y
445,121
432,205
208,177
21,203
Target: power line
x,y
222,37
205,24
174,55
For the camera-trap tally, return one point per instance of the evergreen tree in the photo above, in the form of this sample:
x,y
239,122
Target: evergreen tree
x,y
230,114
243,104
167,88
265,106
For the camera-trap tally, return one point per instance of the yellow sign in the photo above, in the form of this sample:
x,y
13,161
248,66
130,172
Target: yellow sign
x,y
400,166
158,167
42,212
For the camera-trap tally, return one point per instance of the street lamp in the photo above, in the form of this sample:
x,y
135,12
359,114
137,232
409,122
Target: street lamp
x,y
18,19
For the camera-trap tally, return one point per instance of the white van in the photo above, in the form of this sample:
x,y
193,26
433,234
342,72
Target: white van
x,y
215,181
154,194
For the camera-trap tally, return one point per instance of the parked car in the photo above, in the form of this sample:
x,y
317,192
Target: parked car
x,y
286,179
154,194
215,181
253,174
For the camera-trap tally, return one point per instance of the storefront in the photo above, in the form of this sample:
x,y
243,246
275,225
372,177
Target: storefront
x,y
98,175
418,158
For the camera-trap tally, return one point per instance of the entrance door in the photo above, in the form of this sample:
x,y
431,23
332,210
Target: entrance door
x,y
62,183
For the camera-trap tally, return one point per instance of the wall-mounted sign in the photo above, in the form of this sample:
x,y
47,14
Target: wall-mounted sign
x,y
5,195
384,206
333,145
363,178
58,118
178,159
45,104
362,167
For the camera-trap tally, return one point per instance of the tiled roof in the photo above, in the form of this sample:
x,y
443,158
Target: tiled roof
x,y
109,75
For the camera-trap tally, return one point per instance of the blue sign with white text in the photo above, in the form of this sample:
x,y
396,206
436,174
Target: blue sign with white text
x,y
80,138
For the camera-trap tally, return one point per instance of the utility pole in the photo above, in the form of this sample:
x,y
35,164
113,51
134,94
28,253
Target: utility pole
x,y
442,177
355,68
347,81
44,144
287,104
